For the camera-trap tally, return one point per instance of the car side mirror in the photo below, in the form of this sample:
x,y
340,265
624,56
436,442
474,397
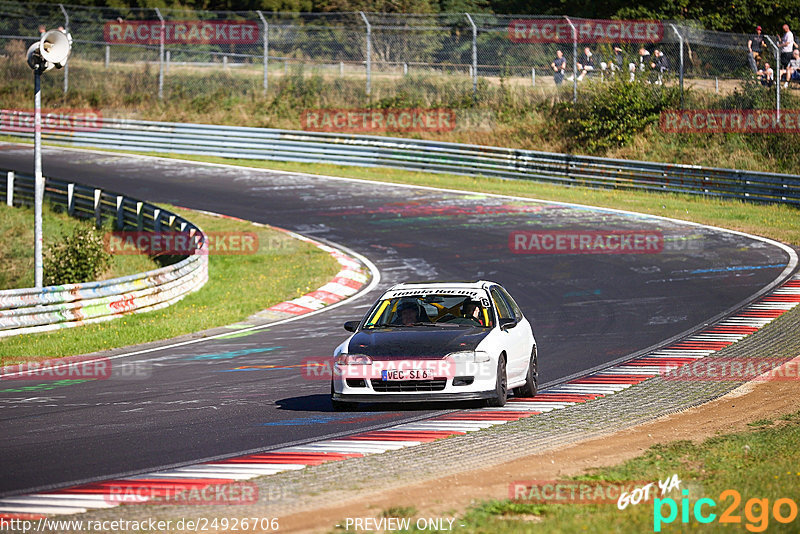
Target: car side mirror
x,y
351,326
507,323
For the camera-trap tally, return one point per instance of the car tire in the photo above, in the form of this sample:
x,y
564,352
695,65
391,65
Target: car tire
x,y
339,406
501,384
530,387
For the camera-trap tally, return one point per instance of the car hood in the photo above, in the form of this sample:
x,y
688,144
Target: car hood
x,y
416,342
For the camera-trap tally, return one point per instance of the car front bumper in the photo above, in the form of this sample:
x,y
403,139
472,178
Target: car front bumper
x,y
482,381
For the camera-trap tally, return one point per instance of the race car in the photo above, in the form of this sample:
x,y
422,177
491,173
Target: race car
x,y
437,341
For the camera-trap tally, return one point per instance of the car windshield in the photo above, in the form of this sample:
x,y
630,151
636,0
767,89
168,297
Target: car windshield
x,y
432,310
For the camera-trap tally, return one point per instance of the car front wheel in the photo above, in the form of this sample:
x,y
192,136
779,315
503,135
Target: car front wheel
x,y
501,384
339,406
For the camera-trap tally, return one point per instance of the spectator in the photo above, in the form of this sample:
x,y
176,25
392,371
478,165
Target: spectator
x,y
792,69
619,58
644,59
559,65
660,65
754,46
766,75
786,45
585,63
615,62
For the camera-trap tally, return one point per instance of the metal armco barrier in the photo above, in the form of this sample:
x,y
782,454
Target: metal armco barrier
x,y
429,156
24,311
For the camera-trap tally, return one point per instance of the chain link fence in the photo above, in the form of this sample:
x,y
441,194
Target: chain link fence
x,y
360,59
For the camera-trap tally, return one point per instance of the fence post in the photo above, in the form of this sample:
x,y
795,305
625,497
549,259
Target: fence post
x,y
533,76
161,55
369,53
71,199
574,60
120,213
108,55
98,207
680,40
10,189
66,67
777,79
266,48
474,68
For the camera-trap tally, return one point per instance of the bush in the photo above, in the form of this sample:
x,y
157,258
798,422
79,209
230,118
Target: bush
x,y
80,257
609,115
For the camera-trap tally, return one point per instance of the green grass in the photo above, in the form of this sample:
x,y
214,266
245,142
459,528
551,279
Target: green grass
x,y
16,245
238,286
759,464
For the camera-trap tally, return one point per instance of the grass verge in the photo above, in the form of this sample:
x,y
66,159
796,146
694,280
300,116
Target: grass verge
x,y
238,286
759,465
16,245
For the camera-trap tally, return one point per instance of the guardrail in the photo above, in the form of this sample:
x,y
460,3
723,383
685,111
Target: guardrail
x,y
428,156
29,310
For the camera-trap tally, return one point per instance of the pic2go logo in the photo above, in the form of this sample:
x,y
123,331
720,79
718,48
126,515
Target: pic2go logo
x,y
756,511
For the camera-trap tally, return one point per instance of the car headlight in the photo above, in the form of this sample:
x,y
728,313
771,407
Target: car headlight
x,y
353,359
469,356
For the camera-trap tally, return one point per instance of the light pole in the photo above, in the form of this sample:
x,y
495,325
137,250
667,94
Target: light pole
x,y
52,50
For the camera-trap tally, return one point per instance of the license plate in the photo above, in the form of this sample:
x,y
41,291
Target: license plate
x,y
406,374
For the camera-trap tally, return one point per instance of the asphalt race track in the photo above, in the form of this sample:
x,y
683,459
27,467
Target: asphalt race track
x,y
212,399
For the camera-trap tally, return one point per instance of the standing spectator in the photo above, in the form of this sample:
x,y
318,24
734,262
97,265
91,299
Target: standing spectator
x,y
792,69
660,65
644,59
766,75
559,64
585,63
619,58
754,46
786,45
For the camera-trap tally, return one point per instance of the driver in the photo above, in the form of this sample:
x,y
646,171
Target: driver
x,y
472,310
408,312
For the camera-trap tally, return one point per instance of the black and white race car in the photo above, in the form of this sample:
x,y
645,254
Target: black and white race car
x,y
437,341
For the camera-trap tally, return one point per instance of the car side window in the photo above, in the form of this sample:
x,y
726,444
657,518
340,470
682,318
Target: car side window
x,y
512,304
502,307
